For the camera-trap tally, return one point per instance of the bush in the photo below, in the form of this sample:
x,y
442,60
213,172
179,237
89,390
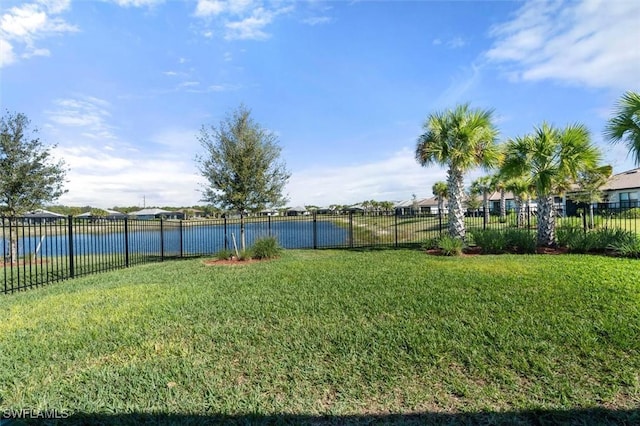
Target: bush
x,y
577,241
224,254
430,244
266,248
490,240
450,246
628,248
633,213
520,240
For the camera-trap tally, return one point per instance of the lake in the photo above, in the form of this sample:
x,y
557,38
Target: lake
x,y
190,239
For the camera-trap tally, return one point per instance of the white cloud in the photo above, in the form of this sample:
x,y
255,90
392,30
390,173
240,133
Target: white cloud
x,y
456,43
392,179
85,111
138,3
250,28
7,56
22,26
590,42
206,8
239,19
318,20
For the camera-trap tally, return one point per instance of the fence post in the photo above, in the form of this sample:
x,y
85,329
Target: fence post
x,y
126,242
584,219
226,237
161,239
351,228
315,230
395,219
484,217
70,251
528,217
269,225
181,241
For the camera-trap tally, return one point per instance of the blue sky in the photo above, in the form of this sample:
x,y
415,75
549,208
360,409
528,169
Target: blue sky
x,y
123,86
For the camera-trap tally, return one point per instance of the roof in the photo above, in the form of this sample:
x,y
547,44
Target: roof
x,y
42,213
150,212
297,209
625,180
109,213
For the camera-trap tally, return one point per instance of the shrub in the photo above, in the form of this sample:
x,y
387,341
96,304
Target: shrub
x,y
224,254
633,213
430,244
520,240
265,248
490,240
627,248
576,240
450,246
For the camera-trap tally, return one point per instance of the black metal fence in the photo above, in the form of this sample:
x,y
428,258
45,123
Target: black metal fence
x,y
36,253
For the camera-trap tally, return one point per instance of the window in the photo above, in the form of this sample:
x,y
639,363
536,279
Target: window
x,y
628,199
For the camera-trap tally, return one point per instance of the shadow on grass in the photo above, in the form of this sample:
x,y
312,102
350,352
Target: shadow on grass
x,y
595,416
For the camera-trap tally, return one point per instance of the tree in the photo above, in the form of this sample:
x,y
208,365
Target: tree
x,y
440,192
521,189
29,177
625,125
551,159
483,186
498,184
460,139
589,183
242,166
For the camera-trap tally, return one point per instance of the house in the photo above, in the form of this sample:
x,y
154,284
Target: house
x,y
268,212
42,216
150,214
191,213
419,206
623,190
111,215
297,211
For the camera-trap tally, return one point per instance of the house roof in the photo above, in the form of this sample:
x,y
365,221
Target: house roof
x,y
625,180
42,213
150,212
109,213
297,209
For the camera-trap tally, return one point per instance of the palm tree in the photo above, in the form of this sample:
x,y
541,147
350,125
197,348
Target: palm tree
x,y
552,159
625,125
440,192
460,139
483,185
498,184
521,189
589,184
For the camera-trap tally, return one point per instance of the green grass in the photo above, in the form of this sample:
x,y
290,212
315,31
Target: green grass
x,y
337,333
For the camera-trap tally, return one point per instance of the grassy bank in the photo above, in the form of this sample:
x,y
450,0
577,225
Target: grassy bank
x,y
331,333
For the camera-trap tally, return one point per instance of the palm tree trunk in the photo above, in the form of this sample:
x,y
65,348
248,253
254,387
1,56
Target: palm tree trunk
x,y
440,207
593,225
520,212
485,202
455,181
546,221
503,205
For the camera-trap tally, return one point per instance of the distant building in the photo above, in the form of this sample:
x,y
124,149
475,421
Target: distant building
x,y
150,214
42,216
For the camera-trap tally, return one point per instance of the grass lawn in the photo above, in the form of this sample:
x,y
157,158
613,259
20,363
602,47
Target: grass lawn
x,y
332,336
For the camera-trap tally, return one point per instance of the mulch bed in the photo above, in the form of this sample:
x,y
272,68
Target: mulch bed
x,y
232,262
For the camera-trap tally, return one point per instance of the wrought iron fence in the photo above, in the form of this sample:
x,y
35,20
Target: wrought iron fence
x,y
36,253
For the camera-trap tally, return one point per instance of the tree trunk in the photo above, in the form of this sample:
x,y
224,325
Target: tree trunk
x,y
485,201
503,205
546,221
593,224
242,239
440,207
455,181
520,209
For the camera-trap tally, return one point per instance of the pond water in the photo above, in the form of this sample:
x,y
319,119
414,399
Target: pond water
x,y
188,239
